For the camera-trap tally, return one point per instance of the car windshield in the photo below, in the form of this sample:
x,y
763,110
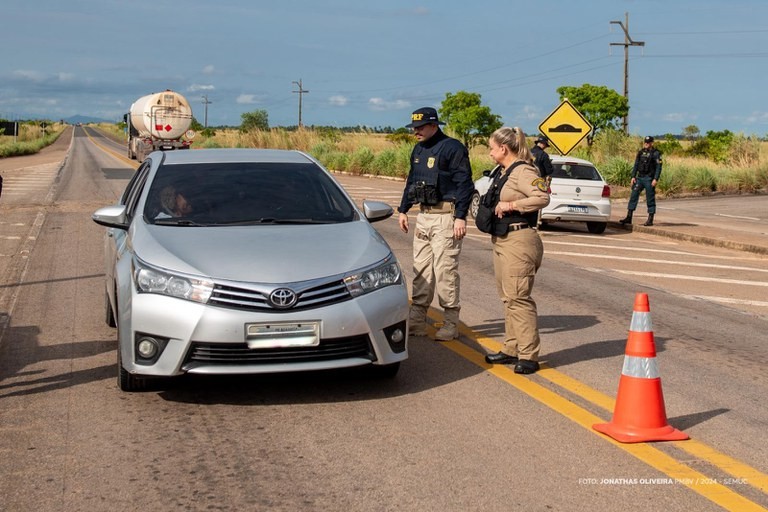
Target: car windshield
x,y
575,172
245,194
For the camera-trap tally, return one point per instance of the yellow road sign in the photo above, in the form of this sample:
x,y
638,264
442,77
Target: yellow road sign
x,y
565,127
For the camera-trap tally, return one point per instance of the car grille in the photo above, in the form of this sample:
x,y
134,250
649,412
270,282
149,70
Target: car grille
x,y
255,300
237,354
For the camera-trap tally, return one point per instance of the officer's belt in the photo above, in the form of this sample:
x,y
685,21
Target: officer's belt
x,y
441,207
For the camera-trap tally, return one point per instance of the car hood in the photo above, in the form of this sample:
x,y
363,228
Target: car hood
x,y
260,254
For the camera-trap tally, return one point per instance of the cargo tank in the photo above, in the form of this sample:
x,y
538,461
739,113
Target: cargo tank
x,y
158,121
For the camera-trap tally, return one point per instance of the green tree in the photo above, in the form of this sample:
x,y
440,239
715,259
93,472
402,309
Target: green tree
x,y
256,120
603,107
468,118
691,132
196,125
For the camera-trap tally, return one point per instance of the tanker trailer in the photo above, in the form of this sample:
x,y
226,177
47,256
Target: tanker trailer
x,y
158,121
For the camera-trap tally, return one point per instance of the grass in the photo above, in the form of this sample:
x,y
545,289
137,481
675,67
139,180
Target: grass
x,y
30,139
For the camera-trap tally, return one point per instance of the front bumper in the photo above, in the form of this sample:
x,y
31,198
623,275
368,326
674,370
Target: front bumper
x,y
207,339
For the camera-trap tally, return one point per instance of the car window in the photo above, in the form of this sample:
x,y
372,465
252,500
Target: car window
x,y
133,191
575,172
132,183
245,193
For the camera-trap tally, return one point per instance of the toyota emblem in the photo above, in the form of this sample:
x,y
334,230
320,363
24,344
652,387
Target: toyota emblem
x,y
578,190
283,298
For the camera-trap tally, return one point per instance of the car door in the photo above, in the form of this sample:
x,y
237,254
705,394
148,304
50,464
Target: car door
x,y
115,239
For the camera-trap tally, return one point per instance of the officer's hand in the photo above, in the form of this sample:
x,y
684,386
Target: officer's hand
x,y
459,228
632,181
653,183
402,219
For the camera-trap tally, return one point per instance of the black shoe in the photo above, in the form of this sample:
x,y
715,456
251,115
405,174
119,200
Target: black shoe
x,y
500,358
526,366
649,222
626,220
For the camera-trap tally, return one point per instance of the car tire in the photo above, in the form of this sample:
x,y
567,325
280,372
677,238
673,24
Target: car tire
x,y
385,371
474,204
596,228
109,316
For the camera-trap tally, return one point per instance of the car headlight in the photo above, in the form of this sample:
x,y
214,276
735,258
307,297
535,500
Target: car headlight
x,y
366,281
152,280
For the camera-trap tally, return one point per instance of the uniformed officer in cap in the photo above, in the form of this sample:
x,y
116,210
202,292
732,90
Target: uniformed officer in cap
x,y
440,182
645,176
541,158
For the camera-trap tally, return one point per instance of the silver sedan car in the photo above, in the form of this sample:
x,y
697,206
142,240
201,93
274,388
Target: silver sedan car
x,y
238,261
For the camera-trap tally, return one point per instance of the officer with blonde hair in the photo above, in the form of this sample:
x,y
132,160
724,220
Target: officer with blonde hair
x,y
440,182
519,194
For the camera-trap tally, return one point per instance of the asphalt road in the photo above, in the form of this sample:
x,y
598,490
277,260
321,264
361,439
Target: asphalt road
x,y
448,433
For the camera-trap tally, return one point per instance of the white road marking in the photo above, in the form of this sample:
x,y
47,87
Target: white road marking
x,y
642,249
729,300
677,276
664,262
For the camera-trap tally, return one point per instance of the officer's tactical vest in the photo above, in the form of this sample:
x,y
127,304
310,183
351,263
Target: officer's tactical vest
x,y
646,165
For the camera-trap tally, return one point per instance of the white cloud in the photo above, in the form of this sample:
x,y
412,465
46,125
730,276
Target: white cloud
x,y
338,101
26,74
246,99
200,87
757,117
208,70
380,104
66,77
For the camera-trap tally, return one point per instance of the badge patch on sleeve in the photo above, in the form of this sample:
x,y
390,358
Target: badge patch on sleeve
x,y
540,183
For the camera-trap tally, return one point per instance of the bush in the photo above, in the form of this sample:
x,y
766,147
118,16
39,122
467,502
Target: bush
x,y
672,181
700,179
360,162
617,171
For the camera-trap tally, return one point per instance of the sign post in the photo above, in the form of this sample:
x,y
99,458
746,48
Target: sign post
x,y
565,127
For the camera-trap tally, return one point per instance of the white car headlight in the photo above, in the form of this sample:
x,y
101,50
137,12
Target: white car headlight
x,y
150,280
374,278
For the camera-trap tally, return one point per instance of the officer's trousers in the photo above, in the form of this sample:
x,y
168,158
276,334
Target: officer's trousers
x,y
516,258
435,261
643,182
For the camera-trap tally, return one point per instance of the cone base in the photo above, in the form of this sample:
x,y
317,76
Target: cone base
x,y
640,435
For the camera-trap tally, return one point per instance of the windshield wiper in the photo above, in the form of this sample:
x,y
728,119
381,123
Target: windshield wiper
x,y
177,222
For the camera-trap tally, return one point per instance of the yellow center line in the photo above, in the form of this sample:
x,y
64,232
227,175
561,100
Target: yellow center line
x,y
679,471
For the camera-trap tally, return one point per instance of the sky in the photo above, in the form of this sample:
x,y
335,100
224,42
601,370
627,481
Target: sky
x,y
362,63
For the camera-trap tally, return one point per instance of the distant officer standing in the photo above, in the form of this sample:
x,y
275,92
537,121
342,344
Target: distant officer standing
x,y
440,182
541,158
645,175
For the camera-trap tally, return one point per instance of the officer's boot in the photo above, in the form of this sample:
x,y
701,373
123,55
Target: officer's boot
x,y
417,320
649,222
628,218
450,329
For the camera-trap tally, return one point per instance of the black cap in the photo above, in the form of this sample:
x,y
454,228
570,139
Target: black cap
x,y
422,116
542,140
648,139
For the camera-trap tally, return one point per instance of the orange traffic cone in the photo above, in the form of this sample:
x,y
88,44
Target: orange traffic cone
x,y
639,414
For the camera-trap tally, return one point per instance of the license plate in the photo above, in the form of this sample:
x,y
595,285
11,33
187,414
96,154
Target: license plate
x,y
282,334
577,209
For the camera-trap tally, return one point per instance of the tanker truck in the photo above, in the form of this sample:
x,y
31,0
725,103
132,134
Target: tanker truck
x,y
158,121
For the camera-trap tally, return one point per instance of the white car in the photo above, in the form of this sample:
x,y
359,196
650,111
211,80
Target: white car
x,y
578,193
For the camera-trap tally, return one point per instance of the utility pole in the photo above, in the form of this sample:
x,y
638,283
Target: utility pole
x,y
626,44
300,92
206,103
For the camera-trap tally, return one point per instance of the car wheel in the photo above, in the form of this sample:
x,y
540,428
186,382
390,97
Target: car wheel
x,y
109,313
126,380
474,204
385,371
596,228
